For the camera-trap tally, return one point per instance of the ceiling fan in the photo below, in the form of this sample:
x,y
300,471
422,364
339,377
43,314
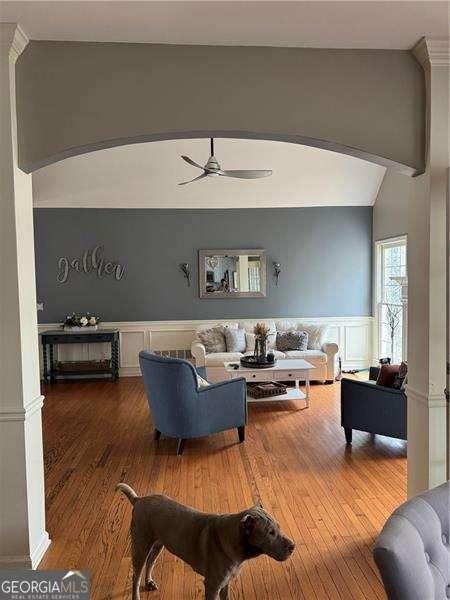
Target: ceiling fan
x,y
212,168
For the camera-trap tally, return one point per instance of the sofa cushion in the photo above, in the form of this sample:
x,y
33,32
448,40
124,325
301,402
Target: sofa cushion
x,y
286,325
250,325
314,355
387,375
213,339
204,326
292,340
235,339
216,359
400,379
316,334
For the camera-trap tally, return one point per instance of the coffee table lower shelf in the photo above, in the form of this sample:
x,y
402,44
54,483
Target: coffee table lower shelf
x,y
292,393
296,370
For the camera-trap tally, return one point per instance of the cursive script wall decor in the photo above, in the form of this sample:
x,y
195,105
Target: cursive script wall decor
x,y
91,261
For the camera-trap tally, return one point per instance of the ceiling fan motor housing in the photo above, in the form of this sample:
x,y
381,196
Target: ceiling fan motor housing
x,y
212,164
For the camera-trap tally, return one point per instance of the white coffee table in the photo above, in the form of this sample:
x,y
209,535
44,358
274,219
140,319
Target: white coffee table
x,y
283,370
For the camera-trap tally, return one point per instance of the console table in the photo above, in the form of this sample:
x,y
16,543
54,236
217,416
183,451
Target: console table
x,y
52,338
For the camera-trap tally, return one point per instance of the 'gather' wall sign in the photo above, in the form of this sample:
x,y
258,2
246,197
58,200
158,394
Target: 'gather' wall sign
x,y
91,261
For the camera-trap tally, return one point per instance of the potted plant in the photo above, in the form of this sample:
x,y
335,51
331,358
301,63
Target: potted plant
x,y
261,331
81,322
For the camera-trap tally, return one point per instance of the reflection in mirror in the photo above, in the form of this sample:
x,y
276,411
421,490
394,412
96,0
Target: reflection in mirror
x,y
232,273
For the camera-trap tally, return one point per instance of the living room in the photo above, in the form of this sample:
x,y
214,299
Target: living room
x,y
233,302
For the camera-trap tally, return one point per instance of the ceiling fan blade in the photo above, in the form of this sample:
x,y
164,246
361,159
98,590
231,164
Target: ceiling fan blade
x,y
247,174
195,179
191,162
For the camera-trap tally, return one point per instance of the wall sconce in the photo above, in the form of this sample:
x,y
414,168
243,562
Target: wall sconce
x,y
276,271
186,270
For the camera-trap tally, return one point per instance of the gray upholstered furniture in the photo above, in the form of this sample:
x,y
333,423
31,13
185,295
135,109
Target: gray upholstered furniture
x,y
366,406
413,552
181,409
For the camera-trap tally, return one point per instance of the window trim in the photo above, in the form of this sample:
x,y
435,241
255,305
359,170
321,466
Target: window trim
x,y
378,281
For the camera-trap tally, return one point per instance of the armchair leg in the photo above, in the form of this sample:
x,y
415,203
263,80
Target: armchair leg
x,y
180,446
348,434
241,433
157,435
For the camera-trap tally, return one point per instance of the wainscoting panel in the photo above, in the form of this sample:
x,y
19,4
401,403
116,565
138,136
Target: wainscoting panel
x,y
353,335
357,344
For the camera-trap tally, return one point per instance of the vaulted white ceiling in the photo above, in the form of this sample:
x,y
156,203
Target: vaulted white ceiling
x,y
338,24
147,176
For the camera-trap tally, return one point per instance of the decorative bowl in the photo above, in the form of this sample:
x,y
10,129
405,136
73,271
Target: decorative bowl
x,y
252,362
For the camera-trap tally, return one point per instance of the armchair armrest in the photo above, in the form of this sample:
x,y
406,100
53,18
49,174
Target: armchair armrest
x,y
198,351
330,349
226,382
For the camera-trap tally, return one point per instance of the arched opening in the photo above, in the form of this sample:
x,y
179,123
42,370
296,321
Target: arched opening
x,y
236,134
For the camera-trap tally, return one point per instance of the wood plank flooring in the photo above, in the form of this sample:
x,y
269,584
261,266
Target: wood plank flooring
x,y
330,499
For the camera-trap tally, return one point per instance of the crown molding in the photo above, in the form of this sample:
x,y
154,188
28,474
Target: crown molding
x,y
432,52
13,37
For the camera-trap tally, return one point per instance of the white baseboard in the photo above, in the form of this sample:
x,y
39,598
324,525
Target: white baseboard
x,y
27,561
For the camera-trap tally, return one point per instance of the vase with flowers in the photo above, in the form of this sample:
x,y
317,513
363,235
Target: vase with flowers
x,y
81,322
261,331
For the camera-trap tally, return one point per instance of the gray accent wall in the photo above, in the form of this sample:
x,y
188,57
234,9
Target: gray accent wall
x,y
325,253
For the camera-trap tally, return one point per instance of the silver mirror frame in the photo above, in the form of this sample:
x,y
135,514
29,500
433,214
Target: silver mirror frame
x,y
203,254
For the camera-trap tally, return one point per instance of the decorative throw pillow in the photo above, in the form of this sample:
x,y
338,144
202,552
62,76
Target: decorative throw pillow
x,y
316,334
292,340
400,379
202,383
235,339
387,374
213,339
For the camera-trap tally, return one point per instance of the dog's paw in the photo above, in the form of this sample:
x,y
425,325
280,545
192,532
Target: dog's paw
x,y
150,586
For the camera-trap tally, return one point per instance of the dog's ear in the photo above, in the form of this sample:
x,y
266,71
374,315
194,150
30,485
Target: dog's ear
x,y
260,504
247,523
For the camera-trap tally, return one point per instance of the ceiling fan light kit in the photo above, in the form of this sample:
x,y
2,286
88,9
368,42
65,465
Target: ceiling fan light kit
x,y
212,169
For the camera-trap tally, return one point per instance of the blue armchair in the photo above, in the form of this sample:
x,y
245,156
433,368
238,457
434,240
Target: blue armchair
x,y
181,409
366,406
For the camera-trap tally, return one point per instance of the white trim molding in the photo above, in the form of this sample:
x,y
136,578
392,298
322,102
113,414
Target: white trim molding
x,y
353,335
430,400
12,35
12,413
432,52
27,562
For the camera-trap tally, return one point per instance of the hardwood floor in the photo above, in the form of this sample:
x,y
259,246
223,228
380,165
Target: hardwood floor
x,y
330,499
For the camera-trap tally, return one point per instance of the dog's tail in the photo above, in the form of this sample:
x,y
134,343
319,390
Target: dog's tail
x,y
128,491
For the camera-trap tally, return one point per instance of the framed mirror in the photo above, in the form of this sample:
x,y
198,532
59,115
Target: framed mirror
x,y
232,273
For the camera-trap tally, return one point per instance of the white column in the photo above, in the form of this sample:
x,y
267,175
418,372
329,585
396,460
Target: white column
x,y
23,538
427,282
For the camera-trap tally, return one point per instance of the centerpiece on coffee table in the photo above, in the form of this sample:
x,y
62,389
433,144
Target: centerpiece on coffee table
x,y
260,359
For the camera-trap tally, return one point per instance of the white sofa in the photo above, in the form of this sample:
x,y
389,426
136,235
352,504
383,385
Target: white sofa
x,y
322,354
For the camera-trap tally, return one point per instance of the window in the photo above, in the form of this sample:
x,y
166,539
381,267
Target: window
x,y
391,298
